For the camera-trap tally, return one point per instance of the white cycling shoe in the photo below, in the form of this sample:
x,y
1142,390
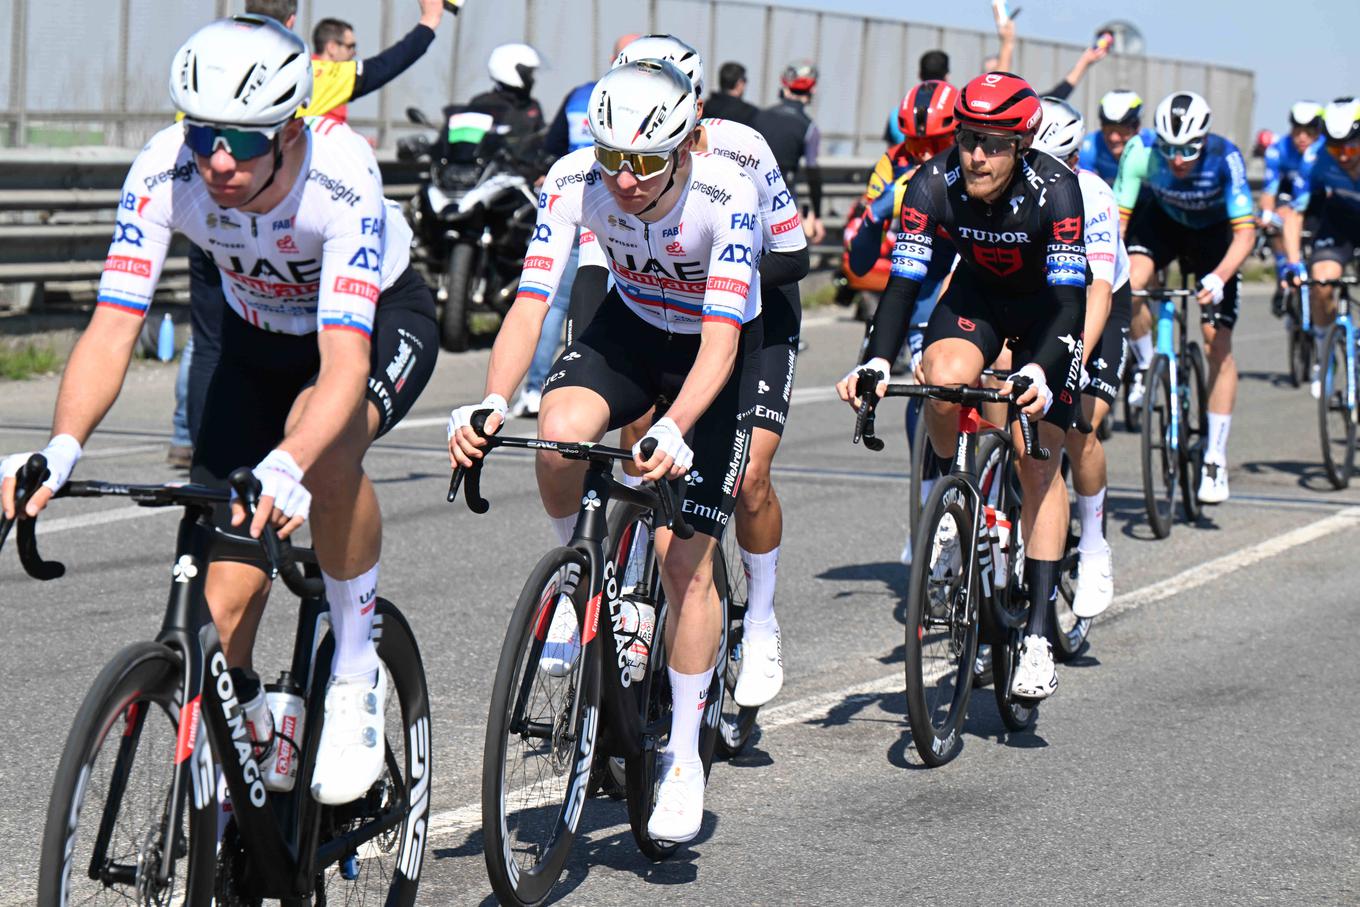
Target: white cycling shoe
x,y
1035,676
526,403
679,809
350,756
564,641
1136,390
1315,382
1213,483
1095,583
762,669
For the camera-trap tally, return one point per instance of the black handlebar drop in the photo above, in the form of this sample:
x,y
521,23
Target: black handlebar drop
x,y
672,502
866,388
27,481
277,551
471,478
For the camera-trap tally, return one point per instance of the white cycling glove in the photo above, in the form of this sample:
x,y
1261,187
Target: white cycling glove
x,y
462,415
281,479
62,453
877,364
1214,284
1040,383
669,440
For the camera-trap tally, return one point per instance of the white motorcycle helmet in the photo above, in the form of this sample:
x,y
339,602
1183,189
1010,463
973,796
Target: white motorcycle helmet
x,y
670,48
1182,117
513,65
243,71
1062,129
1341,120
643,107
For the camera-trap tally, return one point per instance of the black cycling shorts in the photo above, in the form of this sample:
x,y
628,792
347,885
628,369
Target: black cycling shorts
x,y
781,315
260,374
969,311
632,365
1106,362
1334,240
1154,233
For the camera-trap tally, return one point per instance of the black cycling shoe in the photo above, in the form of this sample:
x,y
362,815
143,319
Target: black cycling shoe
x,y
1277,302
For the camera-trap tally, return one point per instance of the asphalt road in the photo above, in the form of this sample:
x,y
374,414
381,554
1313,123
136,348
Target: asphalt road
x,y
1202,750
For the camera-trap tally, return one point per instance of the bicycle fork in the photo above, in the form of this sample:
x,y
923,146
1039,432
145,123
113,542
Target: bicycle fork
x,y
1166,345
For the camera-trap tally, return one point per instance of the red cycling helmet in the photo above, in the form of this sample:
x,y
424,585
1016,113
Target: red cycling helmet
x,y
926,118
1264,139
799,78
999,102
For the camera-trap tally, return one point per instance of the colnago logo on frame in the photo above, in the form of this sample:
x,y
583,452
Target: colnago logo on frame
x,y
236,721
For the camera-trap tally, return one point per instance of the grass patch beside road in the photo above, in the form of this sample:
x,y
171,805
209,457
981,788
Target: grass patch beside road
x,y
26,360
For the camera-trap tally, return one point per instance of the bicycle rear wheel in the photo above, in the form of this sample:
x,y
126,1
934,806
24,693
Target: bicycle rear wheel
x,y
1300,356
729,578
918,461
104,839
1160,462
540,739
941,634
1194,429
1336,422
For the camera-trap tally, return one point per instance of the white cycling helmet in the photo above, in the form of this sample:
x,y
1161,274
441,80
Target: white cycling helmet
x,y
1305,113
1121,106
1062,129
667,47
1182,117
513,65
647,106
242,71
1341,120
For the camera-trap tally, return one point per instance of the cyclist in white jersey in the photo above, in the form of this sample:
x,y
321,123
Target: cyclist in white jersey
x,y
679,234
1108,310
330,339
759,518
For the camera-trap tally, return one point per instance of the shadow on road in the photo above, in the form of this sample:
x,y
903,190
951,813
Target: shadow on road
x,y
1274,379
1310,474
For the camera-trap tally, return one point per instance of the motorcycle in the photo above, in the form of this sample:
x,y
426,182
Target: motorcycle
x,y
472,217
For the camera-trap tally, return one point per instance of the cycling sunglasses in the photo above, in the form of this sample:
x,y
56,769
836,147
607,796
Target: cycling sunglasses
x,y
921,148
1188,152
642,166
241,144
992,145
1344,152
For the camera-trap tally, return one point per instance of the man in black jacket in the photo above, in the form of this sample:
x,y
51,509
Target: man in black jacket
x,y
727,102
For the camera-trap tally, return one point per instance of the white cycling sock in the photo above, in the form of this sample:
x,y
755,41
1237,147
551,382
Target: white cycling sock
x,y
1092,532
1142,350
563,527
689,697
760,579
353,602
1219,425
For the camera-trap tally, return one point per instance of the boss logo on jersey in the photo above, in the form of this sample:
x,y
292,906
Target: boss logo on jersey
x,y
913,221
1002,261
1067,230
720,196
913,250
128,234
587,177
991,236
368,259
736,253
743,221
773,177
542,233
1066,258
781,200
184,172
135,203
739,157
352,287
337,188
125,264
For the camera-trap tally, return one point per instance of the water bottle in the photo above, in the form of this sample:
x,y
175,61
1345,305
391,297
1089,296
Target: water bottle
x,y
1001,533
165,340
636,624
285,702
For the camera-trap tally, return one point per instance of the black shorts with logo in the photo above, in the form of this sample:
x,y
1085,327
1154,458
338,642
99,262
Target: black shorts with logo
x,y
969,311
259,375
1153,232
781,316
632,365
1334,239
1106,362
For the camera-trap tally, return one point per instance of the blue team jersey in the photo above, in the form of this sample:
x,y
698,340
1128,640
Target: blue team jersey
x,y
1284,166
1096,157
1339,195
1215,191
577,106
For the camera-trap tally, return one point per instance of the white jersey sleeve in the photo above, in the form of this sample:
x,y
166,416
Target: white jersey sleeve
x,y
780,223
733,257
1105,251
557,226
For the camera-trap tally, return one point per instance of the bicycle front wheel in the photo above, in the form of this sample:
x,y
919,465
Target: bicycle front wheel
x,y
540,737
1194,404
729,578
1336,422
1160,461
941,636
105,840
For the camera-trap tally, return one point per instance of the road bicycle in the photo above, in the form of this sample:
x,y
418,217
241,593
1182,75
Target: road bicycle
x,y
1337,400
134,809
550,723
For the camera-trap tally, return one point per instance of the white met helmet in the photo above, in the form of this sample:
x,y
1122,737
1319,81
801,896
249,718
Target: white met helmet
x,y
647,106
1182,117
242,71
1062,129
513,65
1305,113
1121,106
667,47
1341,120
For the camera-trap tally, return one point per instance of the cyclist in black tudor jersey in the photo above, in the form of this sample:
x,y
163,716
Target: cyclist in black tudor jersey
x,y
1015,217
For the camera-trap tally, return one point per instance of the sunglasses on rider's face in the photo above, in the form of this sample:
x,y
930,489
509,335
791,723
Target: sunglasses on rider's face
x,y
642,166
922,148
1187,152
241,144
1344,152
991,144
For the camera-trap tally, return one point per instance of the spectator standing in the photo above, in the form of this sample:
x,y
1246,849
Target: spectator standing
x,y
728,102
794,138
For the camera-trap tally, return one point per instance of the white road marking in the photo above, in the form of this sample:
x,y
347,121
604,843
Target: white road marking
x,y
47,526
820,705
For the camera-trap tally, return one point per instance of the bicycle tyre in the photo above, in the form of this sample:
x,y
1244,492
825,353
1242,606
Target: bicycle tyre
x,y
918,464
1194,430
147,677
1158,459
1133,417
1336,423
737,722
1066,632
551,823
937,694
389,869
1300,356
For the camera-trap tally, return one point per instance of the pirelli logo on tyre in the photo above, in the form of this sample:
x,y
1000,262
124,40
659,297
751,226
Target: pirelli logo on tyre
x,y
351,287
540,262
126,264
729,285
